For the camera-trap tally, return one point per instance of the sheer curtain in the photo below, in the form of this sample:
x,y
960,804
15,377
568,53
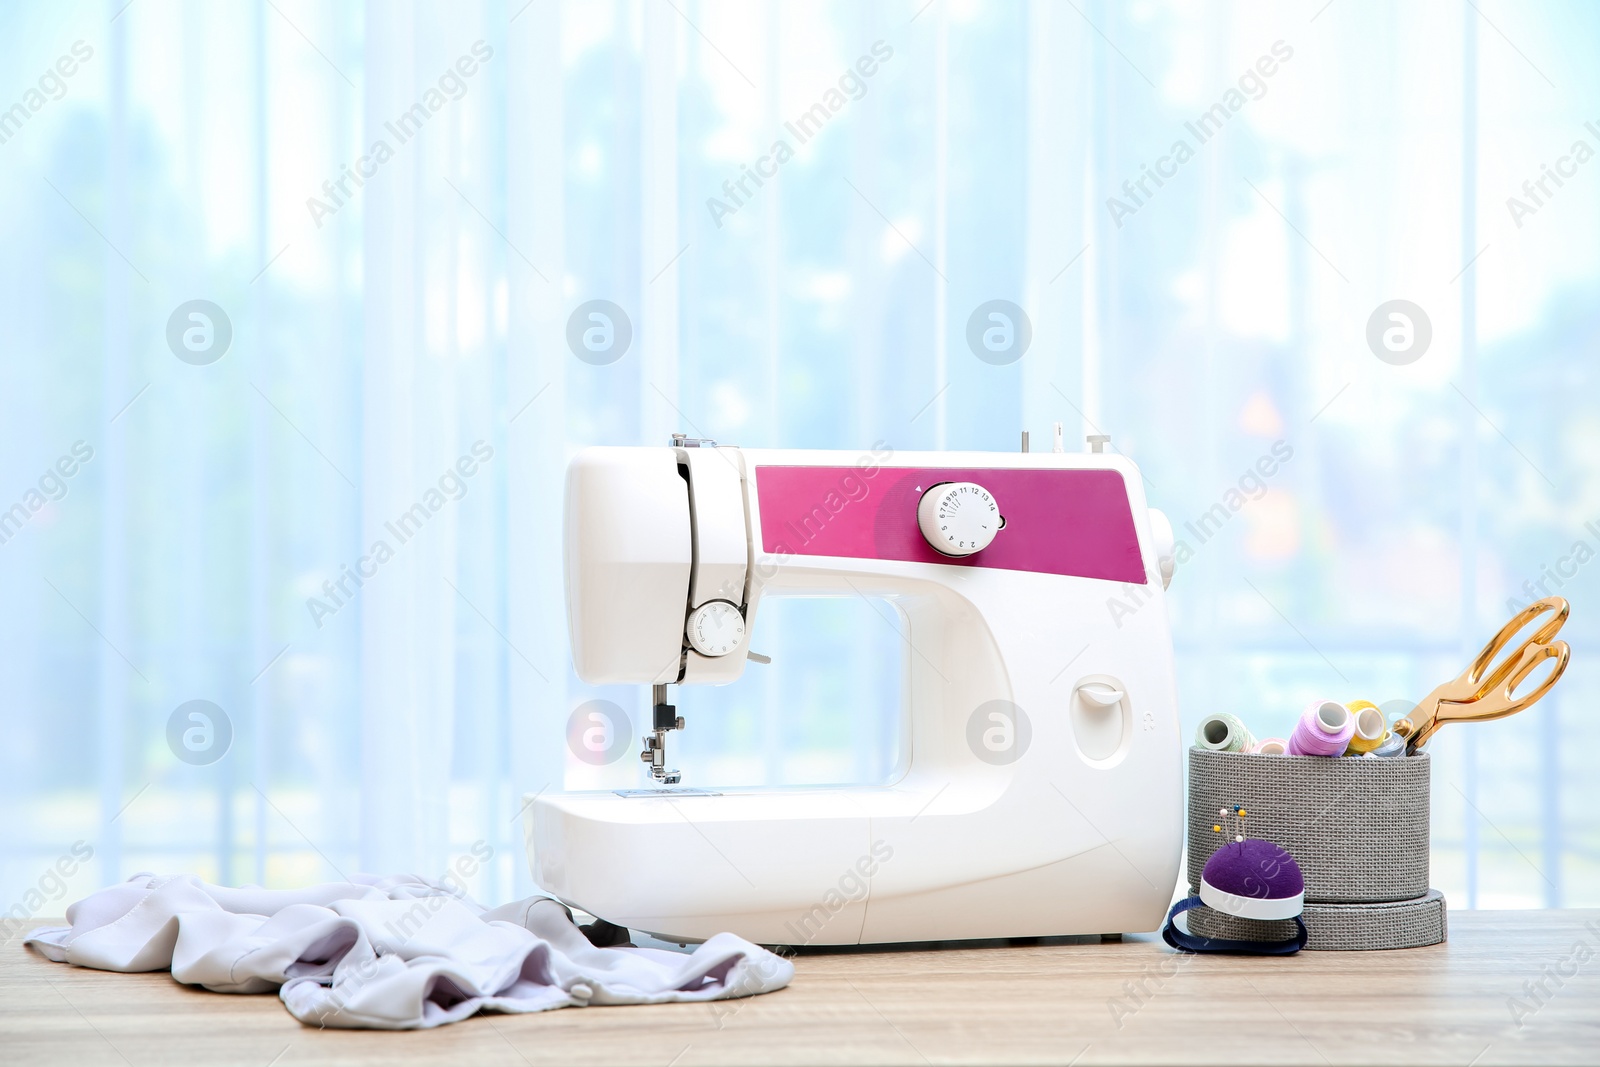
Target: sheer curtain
x,y
400,211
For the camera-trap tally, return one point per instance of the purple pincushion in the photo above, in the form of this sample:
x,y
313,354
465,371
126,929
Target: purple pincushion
x,y
1253,879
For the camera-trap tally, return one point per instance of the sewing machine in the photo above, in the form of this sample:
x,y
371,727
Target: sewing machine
x,y
1039,788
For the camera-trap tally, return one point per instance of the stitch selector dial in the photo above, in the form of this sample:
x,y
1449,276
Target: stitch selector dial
x,y
715,628
959,518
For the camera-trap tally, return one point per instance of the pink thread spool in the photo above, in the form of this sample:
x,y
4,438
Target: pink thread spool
x,y
1324,729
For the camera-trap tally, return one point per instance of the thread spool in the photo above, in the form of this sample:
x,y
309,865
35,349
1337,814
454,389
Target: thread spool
x,y
1223,733
1371,731
1394,745
1324,729
1271,746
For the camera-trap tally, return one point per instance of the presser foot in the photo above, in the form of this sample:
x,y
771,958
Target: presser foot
x,y
655,754
664,717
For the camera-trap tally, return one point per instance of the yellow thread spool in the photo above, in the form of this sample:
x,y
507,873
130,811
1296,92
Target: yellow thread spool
x,y
1358,743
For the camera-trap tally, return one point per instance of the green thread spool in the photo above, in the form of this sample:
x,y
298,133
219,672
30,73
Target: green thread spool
x,y
1223,733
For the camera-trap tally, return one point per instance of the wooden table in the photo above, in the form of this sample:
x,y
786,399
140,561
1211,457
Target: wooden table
x,y
1044,1003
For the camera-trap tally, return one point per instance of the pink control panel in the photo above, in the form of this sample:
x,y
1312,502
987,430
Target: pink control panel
x,y
1072,522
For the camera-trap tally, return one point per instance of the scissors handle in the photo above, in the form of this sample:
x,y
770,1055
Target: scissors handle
x,y
1500,701
1485,692
1476,674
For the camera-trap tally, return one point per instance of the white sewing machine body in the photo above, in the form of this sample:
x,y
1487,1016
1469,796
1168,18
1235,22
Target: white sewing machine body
x,y
1061,819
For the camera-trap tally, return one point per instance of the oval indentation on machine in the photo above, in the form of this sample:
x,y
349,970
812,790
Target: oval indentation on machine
x,y
1102,720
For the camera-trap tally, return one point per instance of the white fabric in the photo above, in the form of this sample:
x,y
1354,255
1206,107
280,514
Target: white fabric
x,y
391,953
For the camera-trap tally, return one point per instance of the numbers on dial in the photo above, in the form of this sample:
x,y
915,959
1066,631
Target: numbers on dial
x,y
715,628
959,518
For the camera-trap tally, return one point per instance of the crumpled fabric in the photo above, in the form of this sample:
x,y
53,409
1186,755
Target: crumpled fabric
x,y
390,953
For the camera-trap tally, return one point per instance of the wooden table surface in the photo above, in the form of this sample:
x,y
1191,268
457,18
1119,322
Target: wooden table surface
x,y
1132,1001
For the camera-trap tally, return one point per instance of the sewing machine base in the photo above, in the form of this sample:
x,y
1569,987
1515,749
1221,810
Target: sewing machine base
x,y
807,867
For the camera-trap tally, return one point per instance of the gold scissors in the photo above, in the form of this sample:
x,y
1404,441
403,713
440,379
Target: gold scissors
x,y
1484,692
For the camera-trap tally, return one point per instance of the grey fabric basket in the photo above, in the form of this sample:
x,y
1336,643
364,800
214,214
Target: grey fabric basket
x,y
1339,927
1357,827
